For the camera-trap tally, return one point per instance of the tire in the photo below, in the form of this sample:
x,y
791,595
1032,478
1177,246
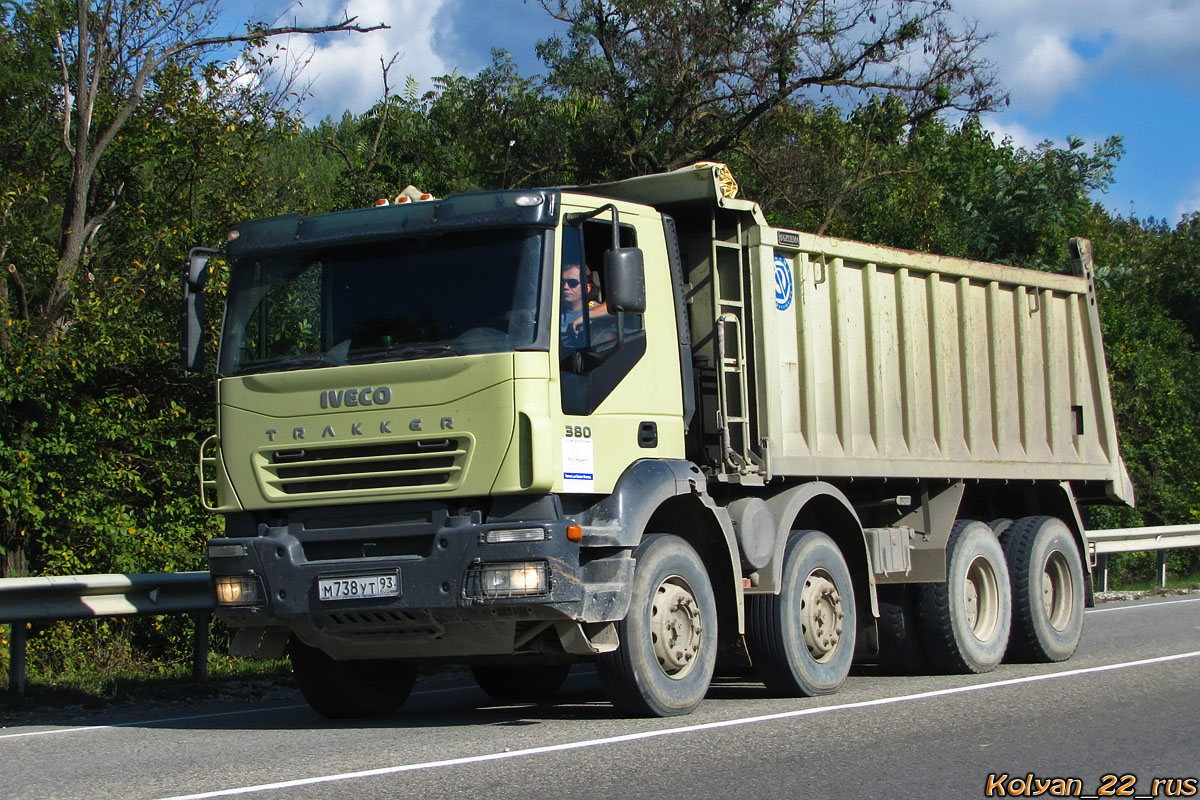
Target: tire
x,y
1046,574
520,683
1000,525
802,639
350,689
900,650
965,621
668,648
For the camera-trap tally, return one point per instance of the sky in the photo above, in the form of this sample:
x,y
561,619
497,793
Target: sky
x,y
1087,68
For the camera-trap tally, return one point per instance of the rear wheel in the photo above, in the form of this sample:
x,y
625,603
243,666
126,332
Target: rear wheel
x,y
1047,589
349,689
965,621
900,649
520,683
668,648
802,639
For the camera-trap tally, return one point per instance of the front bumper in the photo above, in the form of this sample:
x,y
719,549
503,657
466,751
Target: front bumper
x,y
438,612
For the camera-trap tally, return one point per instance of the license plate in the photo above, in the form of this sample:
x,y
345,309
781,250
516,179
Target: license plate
x,y
359,586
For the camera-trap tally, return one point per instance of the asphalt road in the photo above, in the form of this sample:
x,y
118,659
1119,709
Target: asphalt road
x,y
1127,706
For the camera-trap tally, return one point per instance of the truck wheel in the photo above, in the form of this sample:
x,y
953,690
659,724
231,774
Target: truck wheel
x,y
965,621
900,650
520,683
802,639
668,647
349,689
1047,589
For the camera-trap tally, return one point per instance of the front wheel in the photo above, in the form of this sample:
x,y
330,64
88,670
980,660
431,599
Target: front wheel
x,y
802,640
668,648
520,683
350,689
1047,589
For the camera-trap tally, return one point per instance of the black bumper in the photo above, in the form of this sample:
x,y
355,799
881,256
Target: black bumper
x,y
432,552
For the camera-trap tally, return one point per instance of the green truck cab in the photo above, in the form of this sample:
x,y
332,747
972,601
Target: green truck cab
x,y
634,424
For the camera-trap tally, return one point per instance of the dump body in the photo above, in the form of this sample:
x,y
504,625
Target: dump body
x,y
838,359
877,362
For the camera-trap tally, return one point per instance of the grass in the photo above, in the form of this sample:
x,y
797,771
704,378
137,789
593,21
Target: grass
x,y
91,689
1174,583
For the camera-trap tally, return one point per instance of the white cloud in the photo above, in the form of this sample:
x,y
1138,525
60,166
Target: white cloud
x,y
344,69
1190,203
1045,71
1019,135
1044,50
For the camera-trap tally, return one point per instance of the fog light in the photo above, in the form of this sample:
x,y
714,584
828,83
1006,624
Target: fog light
x,y
515,535
510,579
238,590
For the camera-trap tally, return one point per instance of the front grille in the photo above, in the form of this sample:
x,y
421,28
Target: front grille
x,y
375,547
364,467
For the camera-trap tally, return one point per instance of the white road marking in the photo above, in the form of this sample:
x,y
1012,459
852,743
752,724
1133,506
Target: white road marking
x,y
1142,605
633,737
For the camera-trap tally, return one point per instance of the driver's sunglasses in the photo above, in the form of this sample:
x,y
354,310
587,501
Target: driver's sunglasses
x,y
570,283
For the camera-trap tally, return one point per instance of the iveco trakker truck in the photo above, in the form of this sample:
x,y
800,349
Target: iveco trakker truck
x,y
634,424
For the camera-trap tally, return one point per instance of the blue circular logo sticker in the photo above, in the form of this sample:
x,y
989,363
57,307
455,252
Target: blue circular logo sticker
x,y
784,288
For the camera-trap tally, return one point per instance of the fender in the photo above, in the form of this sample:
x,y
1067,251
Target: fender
x,y
620,519
788,504
644,488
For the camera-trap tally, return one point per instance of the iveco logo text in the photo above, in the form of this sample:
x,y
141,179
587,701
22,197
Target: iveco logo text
x,y
350,398
356,429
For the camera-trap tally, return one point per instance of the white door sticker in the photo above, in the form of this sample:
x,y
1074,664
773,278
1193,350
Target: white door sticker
x,y
579,465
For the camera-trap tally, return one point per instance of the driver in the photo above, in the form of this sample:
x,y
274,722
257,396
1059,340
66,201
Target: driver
x,y
574,290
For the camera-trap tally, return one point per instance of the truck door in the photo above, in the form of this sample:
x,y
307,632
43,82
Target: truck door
x,y
619,376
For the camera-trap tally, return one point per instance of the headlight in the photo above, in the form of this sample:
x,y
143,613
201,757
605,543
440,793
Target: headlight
x,y
508,579
239,590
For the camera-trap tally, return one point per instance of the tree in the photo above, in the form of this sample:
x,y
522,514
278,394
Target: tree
x,y
115,49
125,114
685,79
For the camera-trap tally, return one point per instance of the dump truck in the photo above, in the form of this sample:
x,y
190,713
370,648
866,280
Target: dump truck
x,y
636,425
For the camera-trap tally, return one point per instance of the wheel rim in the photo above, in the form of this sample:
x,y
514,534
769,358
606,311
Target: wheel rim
x,y
821,615
1058,591
676,628
981,598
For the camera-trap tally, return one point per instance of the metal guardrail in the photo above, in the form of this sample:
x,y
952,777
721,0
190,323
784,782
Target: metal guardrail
x,y
25,600
47,599
1135,540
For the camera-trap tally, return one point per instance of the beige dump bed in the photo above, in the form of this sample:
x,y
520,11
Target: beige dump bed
x,y
872,361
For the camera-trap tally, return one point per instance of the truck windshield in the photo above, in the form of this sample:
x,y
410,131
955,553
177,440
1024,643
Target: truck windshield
x,y
433,296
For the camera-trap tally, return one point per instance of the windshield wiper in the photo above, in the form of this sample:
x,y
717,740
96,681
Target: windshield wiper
x,y
403,352
289,363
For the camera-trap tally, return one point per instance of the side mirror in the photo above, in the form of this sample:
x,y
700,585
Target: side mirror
x,y
191,322
625,280
197,269
191,347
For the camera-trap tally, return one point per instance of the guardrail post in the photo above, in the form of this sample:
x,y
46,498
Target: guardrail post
x,y
200,646
16,659
1162,569
1102,568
